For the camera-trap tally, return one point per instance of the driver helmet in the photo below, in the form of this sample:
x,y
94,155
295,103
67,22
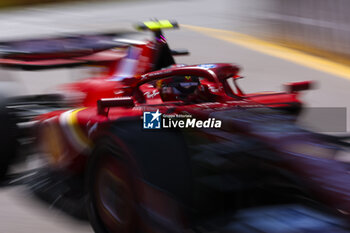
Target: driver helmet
x,y
177,87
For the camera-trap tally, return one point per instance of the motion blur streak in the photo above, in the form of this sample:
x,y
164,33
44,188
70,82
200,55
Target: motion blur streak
x,y
275,50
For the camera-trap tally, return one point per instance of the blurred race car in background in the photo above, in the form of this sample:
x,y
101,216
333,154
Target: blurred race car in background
x,y
95,134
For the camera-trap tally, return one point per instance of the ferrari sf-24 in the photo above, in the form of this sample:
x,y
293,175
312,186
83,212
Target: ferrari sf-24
x,y
154,146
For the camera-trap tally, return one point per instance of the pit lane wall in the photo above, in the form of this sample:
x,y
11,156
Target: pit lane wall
x,y
314,25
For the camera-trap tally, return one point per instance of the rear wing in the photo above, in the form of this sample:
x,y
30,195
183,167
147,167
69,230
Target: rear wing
x,y
47,53
96,49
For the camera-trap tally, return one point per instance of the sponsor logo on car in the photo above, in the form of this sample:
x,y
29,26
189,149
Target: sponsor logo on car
x,y
207,66
151,95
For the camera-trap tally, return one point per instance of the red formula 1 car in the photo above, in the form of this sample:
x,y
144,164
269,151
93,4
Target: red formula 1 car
x,y
122,62
160,147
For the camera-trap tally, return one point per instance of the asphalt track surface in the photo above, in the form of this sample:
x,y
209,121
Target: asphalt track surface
x,y
19,211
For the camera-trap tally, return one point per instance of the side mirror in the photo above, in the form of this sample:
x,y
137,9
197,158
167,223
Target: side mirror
x,y
103,105
299,86
179,52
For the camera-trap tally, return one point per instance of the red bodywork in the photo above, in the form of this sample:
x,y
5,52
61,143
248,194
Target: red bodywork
x,y
69,135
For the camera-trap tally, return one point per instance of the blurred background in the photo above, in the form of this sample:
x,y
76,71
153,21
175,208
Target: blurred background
x,y
316,26
213,31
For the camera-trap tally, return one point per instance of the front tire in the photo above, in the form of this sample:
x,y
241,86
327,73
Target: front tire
x,y
111,193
